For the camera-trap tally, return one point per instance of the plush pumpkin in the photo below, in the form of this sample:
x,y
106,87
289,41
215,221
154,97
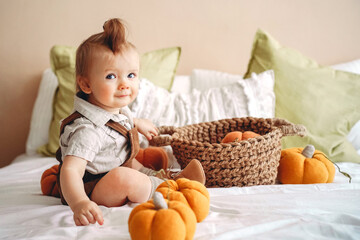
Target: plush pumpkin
x,y
192,193
48,181
162,220
249,134
153,157
234,136
305,166
237,136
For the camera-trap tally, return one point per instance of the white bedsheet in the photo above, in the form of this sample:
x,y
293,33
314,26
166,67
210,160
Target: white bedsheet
x,y
317,211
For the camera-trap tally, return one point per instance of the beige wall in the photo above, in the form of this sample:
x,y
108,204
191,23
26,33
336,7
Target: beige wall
x,y
213,34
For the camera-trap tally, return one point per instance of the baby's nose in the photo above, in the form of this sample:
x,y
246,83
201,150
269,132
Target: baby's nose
x,y
123,87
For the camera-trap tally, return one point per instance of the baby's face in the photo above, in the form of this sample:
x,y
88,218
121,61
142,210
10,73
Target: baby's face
x,y
114,79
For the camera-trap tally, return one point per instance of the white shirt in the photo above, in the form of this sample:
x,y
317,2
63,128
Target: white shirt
x,y
88,137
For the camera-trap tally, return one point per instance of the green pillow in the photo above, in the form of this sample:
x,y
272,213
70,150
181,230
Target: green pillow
x,y
158,66
325,100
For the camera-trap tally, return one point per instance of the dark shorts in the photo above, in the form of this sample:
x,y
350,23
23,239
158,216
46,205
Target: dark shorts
x,y
90,180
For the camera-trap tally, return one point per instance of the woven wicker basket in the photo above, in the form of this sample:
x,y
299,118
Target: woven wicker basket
x,y
245,163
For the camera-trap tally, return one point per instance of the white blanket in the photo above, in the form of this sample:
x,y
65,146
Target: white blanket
x,y
315,211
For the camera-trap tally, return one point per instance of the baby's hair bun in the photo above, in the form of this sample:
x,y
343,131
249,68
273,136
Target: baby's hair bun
x,y
114,34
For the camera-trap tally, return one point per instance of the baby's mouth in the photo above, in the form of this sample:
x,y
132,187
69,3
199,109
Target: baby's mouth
x,y
122,94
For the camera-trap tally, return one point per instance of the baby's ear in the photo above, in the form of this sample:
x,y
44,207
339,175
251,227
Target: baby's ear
x,y
83,83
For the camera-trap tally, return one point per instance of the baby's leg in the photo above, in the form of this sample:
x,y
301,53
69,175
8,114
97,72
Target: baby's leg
x,y
133,163
122,184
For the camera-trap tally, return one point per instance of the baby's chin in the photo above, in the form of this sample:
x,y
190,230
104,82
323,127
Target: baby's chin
x,y
122,103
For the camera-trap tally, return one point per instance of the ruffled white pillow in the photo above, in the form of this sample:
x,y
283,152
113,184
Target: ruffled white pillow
x,y
202,79
245,97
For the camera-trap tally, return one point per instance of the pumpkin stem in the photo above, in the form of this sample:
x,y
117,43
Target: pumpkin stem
x,y
343,173
308,151
159,201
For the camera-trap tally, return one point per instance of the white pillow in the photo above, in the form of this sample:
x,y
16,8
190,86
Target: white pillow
x,y
246,97
202,79
42,112
354,134
353,66
181,84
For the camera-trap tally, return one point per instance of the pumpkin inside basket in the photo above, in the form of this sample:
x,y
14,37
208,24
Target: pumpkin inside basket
x,y
244,163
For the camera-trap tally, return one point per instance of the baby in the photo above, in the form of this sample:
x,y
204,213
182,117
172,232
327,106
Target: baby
x,y
99,141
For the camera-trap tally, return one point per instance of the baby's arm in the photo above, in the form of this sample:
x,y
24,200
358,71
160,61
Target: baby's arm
x,y
85,211
146,127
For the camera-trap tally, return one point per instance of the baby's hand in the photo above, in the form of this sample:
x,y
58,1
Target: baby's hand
x,y
86,212
146,127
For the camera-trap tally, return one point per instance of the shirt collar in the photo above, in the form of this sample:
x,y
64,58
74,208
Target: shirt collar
x,y
95,114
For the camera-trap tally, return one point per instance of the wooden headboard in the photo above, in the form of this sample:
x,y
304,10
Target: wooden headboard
x,y
213,34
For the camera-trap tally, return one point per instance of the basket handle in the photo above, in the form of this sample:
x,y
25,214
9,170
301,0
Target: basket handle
x,y
288,128
163,140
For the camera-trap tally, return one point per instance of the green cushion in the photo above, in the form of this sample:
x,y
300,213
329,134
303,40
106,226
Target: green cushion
x,y
158,66
325,100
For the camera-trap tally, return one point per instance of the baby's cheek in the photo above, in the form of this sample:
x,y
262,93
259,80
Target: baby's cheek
x,y
135,90
107,93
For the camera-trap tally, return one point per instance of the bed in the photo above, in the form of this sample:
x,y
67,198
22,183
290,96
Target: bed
x,y
315,211
278,211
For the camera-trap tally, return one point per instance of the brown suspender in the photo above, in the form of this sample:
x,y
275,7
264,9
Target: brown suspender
x,y
130,135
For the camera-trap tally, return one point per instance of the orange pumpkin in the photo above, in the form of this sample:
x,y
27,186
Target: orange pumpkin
x,y
192,193
234,136
249,134
305,166
48,182
153,157
162,220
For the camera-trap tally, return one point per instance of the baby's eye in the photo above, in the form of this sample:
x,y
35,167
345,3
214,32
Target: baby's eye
x,y
110,76
131,75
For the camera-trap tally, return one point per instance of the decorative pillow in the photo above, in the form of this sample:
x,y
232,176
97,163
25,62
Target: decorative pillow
x,y
181,84
352,66
62,59
202,79
159,66
249,97
326,101
42,112
354,134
